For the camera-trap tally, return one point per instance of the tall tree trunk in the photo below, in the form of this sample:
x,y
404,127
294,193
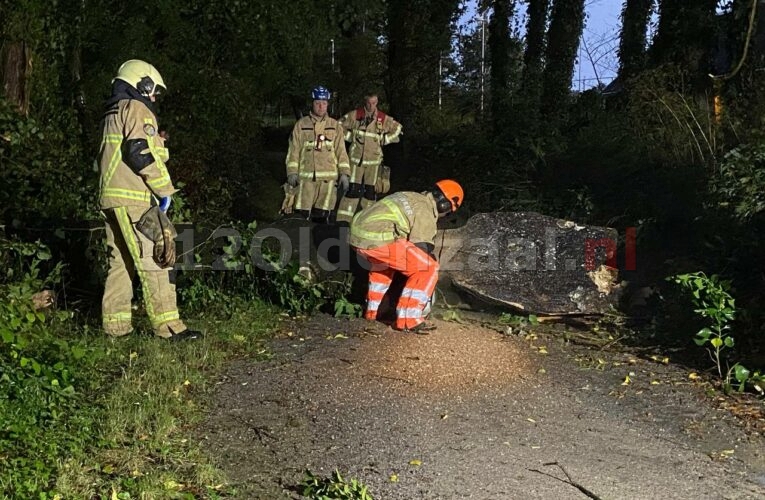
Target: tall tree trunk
x,y
418,32
632,46
15,67
533,63
685,34
499,52
566,25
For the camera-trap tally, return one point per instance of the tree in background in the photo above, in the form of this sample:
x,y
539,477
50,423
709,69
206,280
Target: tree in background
x,y
418,33
533,62
499,50
633,40
360,60
685,35
566,25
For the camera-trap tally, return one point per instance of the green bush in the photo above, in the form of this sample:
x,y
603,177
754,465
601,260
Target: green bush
x,y
41,376
740,183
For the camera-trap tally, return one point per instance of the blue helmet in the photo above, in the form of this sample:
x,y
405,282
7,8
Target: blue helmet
x,y
320,93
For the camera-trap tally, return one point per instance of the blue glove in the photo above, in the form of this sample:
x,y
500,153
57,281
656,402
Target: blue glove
x,y
164,203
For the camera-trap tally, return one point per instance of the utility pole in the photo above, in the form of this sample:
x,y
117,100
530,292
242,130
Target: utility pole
x,y
332,58
332,41
440,81
483,56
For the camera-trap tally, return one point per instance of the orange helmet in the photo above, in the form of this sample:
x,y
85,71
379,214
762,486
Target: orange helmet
x,y
451,195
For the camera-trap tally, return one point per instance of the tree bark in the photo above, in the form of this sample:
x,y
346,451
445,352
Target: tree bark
x,y
632,45
418,31
16,66
499,52
533,62
566,25
685,34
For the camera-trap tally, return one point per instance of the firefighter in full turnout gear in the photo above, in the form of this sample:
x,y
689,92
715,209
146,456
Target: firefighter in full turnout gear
x,y
133,178
367,129
317,162
397,234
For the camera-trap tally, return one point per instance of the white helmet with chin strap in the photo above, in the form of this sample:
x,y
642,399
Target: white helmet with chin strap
x,y
142,76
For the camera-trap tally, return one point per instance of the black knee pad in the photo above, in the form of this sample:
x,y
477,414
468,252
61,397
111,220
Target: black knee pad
x,y
354,190
369,192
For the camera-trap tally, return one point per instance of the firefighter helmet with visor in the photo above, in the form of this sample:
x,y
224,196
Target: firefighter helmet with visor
x,y
142,76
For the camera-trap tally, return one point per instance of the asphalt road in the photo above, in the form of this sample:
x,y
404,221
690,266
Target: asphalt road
x,y
470,413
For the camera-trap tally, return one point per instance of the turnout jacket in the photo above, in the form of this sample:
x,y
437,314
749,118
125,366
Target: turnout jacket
x,y
316,149
408,215
132,157
367,134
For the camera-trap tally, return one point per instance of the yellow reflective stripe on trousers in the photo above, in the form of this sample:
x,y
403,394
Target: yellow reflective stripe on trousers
x,y
166,317
131,240
117,317
327,198
126,194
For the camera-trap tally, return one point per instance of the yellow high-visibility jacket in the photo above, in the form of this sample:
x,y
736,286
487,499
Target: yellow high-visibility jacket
x,y
405,214
316,149
367,134
132,157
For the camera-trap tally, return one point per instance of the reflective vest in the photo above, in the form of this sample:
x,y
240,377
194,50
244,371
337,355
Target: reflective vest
x,y
132,156
408,215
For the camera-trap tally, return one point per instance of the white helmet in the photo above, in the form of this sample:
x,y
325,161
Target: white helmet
x,y
142,76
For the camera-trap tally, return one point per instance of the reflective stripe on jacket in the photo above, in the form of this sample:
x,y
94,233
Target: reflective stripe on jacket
x,y
132,157
408,215
316,149
368,134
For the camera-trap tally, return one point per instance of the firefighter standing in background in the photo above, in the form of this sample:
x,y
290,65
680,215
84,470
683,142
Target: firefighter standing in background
x,y
397,234
317,162
367,129
133,177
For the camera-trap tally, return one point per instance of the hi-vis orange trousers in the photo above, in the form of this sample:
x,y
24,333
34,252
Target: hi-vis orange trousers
x,y
421,271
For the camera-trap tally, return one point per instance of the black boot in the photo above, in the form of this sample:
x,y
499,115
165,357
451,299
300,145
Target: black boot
x,y
185,335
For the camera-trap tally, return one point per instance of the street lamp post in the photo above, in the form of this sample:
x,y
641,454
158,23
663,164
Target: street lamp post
x,y
483,56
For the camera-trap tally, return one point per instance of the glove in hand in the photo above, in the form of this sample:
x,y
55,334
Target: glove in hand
x,y
155,225
292,180
164,203
344,182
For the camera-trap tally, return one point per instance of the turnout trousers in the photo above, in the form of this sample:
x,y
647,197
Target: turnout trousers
x,y
364,176
321,195
130,254
421,271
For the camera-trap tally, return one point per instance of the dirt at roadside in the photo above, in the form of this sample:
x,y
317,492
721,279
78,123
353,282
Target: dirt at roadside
x,y
467,412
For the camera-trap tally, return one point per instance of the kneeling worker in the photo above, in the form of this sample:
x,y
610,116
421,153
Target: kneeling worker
x,y
397,234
